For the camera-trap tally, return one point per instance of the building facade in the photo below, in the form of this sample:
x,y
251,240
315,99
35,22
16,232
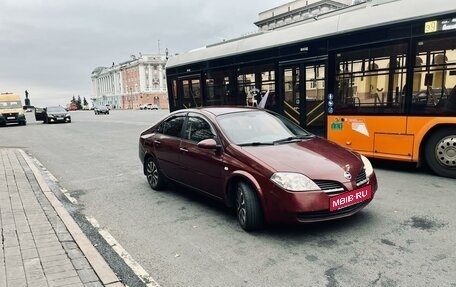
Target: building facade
x,y
297,11
130,84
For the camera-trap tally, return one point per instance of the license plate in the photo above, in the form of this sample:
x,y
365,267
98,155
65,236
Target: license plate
x,y
59,119
350,198
10,118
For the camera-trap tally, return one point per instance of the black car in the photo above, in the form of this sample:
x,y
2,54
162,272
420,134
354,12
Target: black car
x,y
52,115
101,110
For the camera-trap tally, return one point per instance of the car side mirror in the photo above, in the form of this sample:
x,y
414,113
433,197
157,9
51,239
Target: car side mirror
x,y
208,144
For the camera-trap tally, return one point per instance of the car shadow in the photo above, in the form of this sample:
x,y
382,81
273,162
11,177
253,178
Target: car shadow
x,y
227,215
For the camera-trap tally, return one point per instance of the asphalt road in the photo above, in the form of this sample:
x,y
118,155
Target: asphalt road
x,y
405,237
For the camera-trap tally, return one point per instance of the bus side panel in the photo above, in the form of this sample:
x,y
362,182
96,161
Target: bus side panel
x,y
358,133
393,146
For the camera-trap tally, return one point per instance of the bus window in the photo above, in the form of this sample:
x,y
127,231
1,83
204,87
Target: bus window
x,y
268,84
247,88
218,88
191,89
434,76
173,98
371,80
254,82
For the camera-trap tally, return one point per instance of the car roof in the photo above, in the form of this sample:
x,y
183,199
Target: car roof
x,y
221,110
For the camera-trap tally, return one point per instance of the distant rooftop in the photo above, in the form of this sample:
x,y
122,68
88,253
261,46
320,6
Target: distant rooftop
x,y
301,10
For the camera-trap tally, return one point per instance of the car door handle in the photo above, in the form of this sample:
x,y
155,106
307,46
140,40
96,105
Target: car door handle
x,y
183,149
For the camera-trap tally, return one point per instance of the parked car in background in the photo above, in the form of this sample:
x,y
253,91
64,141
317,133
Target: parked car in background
x,y
52,114
72,107
101,110
144,107
268,168
11,110
148,107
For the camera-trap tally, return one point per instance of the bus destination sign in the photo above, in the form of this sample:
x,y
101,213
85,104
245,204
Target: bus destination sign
x,y
441,25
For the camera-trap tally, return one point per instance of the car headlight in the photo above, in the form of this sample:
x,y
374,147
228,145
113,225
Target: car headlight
x,y
367,166
293,181
67,115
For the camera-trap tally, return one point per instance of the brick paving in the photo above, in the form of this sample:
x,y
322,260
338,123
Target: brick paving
x,y
37,248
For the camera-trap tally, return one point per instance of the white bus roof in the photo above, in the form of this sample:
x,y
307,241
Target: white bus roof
x,y
352,20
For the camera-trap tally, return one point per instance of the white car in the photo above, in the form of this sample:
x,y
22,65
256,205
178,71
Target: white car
x,y
148,107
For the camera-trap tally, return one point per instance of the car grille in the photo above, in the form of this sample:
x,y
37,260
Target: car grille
x,y
330,187
361,178
326,214
10,116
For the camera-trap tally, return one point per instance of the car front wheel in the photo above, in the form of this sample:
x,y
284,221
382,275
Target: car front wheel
x,y
154,177
248,208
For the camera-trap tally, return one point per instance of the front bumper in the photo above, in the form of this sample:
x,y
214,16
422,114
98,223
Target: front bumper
x,y
59,119
13,118
282,206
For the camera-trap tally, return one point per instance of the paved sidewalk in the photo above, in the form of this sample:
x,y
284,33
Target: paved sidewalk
x,y
41,244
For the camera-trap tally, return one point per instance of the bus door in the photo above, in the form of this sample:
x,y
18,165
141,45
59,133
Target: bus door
x,y
303,90
189,92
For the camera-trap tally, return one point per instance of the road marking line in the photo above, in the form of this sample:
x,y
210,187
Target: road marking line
x,y
137,269
68,195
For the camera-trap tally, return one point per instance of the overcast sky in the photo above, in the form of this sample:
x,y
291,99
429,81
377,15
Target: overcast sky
x,y
50,47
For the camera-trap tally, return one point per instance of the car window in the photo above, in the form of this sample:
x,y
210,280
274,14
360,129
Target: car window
x,y
172,126
56,110
198,129
258,126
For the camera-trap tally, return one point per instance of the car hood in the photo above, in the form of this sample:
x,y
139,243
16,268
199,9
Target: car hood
x,y
316,158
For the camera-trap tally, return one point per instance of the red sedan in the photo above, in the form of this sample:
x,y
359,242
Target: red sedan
x,y
268,168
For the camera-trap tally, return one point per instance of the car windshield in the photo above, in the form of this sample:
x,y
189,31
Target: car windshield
x,y
10,105
260,128
56,110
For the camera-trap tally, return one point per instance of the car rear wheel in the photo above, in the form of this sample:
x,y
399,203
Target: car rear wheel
x,y
440,152
248,208
154,177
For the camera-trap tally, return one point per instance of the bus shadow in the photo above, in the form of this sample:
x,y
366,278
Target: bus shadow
x,y
403,167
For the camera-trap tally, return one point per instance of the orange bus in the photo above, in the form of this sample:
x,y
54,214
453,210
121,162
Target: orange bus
x,y
376,78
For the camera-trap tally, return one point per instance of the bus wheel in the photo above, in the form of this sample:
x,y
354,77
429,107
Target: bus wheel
x,y
440,152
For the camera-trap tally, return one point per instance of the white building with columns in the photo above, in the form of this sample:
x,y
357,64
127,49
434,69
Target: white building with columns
x,y
140,80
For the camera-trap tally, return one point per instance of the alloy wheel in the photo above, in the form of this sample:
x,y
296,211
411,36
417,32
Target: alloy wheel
x,y
152,173
240,206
